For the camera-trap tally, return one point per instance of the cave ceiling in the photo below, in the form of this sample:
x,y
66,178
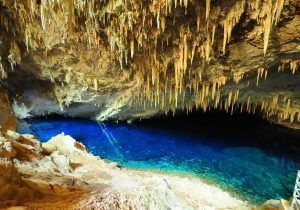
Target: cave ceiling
x,y
128,59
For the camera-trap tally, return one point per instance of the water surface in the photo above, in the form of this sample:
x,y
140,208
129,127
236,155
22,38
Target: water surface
x,y
254,166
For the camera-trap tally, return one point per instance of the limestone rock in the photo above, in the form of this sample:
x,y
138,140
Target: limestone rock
x,y
61,161
13,190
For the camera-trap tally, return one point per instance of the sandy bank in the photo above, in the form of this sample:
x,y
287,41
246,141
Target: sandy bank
x,y
61,174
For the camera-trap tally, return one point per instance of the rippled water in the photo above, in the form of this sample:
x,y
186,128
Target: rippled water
x,y
256,172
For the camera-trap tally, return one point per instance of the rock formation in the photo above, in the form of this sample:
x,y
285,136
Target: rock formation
x,y
7,120
61,174
134,59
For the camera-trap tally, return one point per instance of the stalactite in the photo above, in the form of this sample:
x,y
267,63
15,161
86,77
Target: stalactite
x,y
287,109
231,20
272,15
207,8
275,101
163,23
217,100
14,56
248,107
95,84
225,36
294,65
229,98
266,73
198,19
32,6
213,91
2,71
131,46
260,73
43,17
213,34
267,28
27,34
264,106
70,16
51,77
207,49
280,67
237,76
279,6
68,77
236,96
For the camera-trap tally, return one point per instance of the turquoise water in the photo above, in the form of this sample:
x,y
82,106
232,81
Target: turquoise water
x,y
251,170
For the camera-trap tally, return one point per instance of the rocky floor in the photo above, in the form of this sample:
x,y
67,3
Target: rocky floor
x,y
61,174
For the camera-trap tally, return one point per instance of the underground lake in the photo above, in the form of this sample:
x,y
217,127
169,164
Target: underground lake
x,y
243,154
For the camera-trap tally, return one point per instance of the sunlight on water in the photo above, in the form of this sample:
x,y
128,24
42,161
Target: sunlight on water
x,y
251,172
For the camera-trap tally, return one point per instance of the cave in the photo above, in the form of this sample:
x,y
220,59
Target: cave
x,y
149,104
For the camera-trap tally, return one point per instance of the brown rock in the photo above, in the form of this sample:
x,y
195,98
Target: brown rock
x,y
7,120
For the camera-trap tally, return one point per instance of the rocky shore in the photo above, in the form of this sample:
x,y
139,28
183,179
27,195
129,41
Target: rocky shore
x,y
61,174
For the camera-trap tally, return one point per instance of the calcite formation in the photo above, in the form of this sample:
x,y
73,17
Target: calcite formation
x,y
121,59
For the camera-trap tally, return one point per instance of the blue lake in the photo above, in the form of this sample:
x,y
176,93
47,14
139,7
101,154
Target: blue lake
x,y
249,170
